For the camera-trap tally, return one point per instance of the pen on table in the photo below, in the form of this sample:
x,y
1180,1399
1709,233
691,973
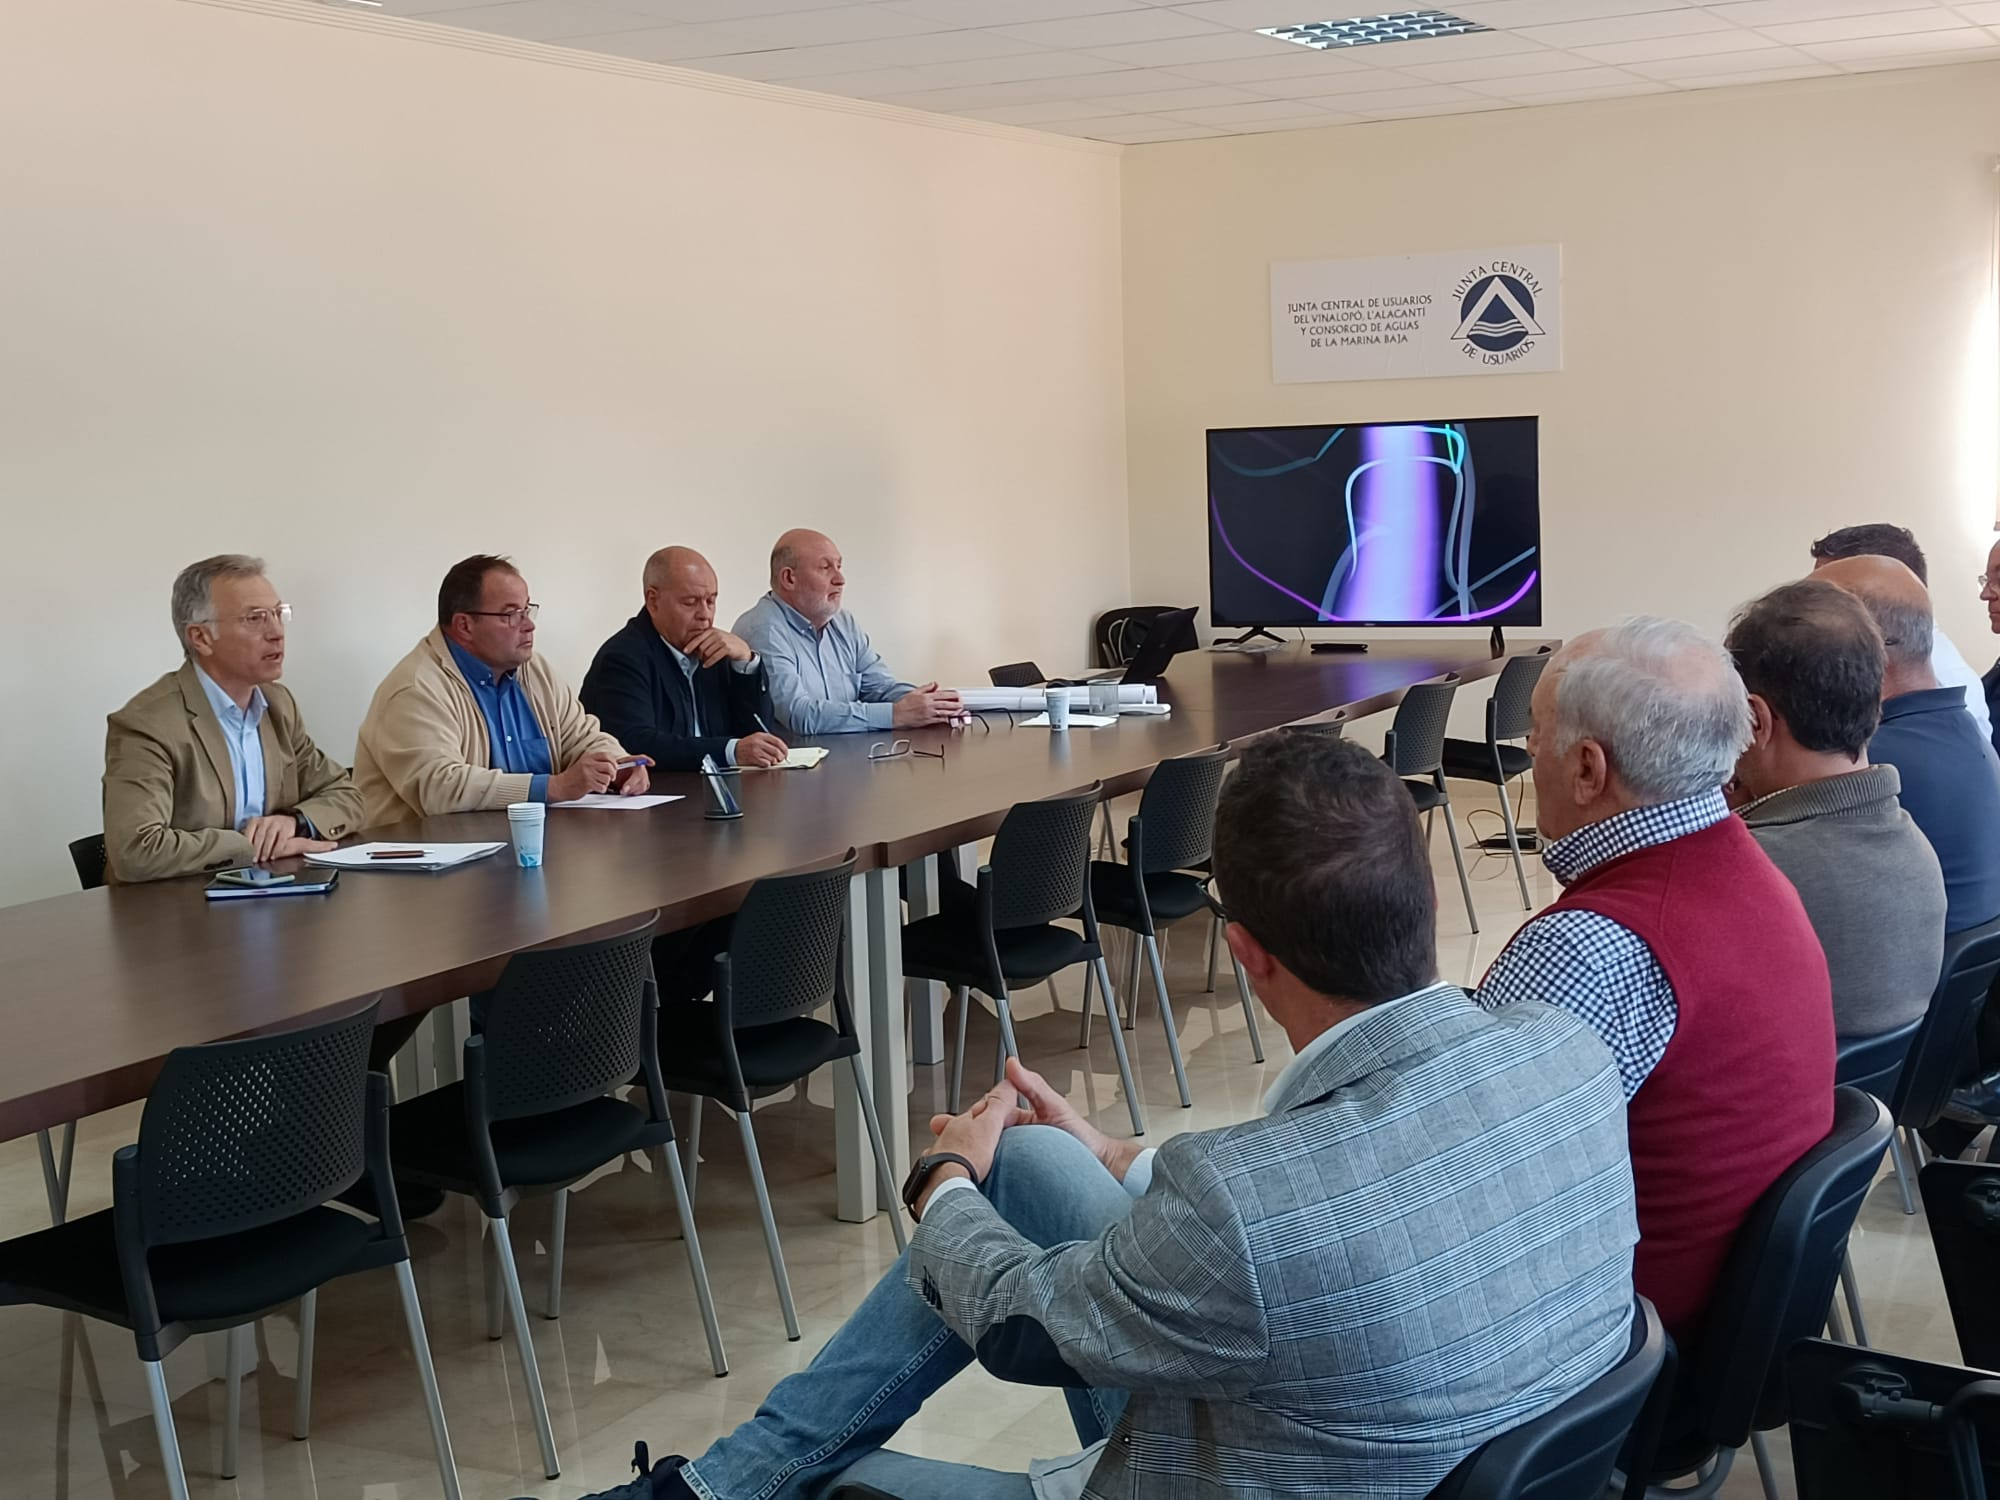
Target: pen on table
x,y
396,853
635,760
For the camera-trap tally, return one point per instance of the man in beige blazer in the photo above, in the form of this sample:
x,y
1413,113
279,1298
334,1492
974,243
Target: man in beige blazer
x,y
472,719
211,766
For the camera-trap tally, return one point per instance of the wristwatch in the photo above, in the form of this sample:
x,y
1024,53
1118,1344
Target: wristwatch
x,y
921,1171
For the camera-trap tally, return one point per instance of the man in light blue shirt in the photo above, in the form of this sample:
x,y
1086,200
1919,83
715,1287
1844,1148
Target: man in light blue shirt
x,y
825,677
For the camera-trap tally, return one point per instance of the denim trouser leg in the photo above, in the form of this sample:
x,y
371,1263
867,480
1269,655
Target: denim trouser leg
x,y
894,1352
910,1478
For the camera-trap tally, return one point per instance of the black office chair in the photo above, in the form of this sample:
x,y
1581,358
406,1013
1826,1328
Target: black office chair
x,y
1568,1453
1038,875
1775,1289
1945,1051
760,1033
1962,1203
1171,835
87,854
562,1029
1496,762
1414,747
1119,632
220,1214
1872,1064
1871,1426
1018,674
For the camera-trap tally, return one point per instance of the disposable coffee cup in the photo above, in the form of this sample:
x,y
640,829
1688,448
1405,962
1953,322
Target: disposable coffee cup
x,y
524,822
1104,699
1058,702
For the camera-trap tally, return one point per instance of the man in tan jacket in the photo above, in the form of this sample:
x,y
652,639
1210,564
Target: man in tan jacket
x,y
211,766
472,719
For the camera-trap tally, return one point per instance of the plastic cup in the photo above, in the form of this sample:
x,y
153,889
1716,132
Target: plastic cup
x,y
1057,700
524,822
1104,699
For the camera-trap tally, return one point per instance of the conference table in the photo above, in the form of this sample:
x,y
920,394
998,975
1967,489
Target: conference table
x,y
97,987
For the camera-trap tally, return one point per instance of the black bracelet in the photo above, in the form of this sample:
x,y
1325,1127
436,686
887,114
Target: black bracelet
x,y
921,1171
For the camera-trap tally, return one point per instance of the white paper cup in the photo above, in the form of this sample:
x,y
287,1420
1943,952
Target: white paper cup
x,y
524,821
1057,700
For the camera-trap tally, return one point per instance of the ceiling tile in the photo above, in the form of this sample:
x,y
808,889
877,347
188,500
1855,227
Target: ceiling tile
x,y
1149,25
1785,12
543,20
975,13
1761,59
1372,80
1625,28
1452,48
1047,112
1296,62
1509,15
1210,46
722,10
779,64
672,44
1400,98
1014,69
1248,114
1549,83
1883,48
1471,106
1629,90
821,28
1250,14
1660,49
1194,96
1846,28
1516,65
1744,80
1115,81
1980,12
952,101
867,84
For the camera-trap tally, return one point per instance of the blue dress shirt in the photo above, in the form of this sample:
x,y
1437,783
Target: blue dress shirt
x,y
241,732
519,746
1952,793
827,681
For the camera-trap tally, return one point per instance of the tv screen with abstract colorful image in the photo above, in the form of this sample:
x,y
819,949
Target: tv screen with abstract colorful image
x,y
1384,523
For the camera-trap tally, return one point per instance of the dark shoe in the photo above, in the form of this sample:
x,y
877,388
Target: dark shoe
x,y
660,1481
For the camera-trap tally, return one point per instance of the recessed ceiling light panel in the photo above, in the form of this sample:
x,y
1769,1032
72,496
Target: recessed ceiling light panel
x,y
1366,31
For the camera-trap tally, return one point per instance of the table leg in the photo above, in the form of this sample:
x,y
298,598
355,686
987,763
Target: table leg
x,y
853,1161
450,1026
888,1063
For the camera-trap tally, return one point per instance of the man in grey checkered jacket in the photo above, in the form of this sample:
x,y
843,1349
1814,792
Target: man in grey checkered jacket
x,y
1425,1241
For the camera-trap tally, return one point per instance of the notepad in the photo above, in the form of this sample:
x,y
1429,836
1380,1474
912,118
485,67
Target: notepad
x,y
800,758
612,802
432,856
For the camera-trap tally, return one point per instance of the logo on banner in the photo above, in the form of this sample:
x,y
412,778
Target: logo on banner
x,y
1496,313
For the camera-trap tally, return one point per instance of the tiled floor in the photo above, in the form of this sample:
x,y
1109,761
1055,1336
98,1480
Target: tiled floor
x,y
627,1359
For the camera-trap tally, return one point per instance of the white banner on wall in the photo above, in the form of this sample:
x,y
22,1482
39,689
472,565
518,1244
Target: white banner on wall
x,y
1466,312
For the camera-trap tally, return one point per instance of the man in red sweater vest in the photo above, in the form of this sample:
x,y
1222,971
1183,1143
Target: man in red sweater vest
x,y
1677,939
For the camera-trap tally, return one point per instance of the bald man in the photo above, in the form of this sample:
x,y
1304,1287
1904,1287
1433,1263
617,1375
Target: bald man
x,y
672,686
1950,779
825,676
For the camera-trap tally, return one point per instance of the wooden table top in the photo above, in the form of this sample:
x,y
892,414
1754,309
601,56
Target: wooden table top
x,y
100,985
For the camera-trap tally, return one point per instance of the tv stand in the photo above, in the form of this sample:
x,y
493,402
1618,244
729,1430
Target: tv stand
x,y
1499,643
1255,632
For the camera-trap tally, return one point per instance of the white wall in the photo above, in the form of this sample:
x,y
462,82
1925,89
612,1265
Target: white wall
x,y
1778,319
364,302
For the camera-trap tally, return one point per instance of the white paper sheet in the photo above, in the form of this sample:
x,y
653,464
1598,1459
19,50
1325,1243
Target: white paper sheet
x,y
435,856
612,802
1026,700
1076,721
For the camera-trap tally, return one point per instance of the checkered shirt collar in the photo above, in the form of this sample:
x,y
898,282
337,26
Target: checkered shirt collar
x,y
1574,855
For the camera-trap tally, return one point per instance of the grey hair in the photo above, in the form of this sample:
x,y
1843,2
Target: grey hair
x,y
193,589
1663,700
1907,629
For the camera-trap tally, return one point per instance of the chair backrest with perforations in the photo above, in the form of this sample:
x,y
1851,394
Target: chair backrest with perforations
x,y
1331,729
1419,727
1177,810
562,1026
1017,674
88,855
1041,859
784,952
237,1135
1944,1051
1512,713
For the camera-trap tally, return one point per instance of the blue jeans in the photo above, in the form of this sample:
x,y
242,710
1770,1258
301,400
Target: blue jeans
x,y
894,1352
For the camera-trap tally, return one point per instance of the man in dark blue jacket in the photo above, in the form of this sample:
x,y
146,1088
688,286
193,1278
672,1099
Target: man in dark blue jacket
x,y
673,686
679,689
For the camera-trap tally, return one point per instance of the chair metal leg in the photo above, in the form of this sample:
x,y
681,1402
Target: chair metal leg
x,y
1005,1007
1905,1175
1083,1025
558,1233
420,1347
302,1397
531,1370
163,1425
692,1157
1852,1291
1836,1325
1920,1154
670,1165
1055,995
1249,1010
958,1054
1458,856
1214,950
1514,847
770,1224
884,1178
1167,1019
1764,1470
232,1407
1132,985
56,1178
1103,972
496,1316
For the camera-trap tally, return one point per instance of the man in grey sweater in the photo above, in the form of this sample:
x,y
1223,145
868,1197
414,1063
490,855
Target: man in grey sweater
x,y
1812,658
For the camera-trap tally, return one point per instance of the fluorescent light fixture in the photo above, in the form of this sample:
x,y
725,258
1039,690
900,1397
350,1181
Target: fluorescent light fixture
x,y
1366,31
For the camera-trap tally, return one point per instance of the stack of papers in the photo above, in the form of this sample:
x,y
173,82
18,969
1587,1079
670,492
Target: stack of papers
x,y
1076,721
1027,700
427,856
615,802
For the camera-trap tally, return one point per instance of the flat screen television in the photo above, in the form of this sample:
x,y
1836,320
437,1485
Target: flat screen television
x,y
1383,523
